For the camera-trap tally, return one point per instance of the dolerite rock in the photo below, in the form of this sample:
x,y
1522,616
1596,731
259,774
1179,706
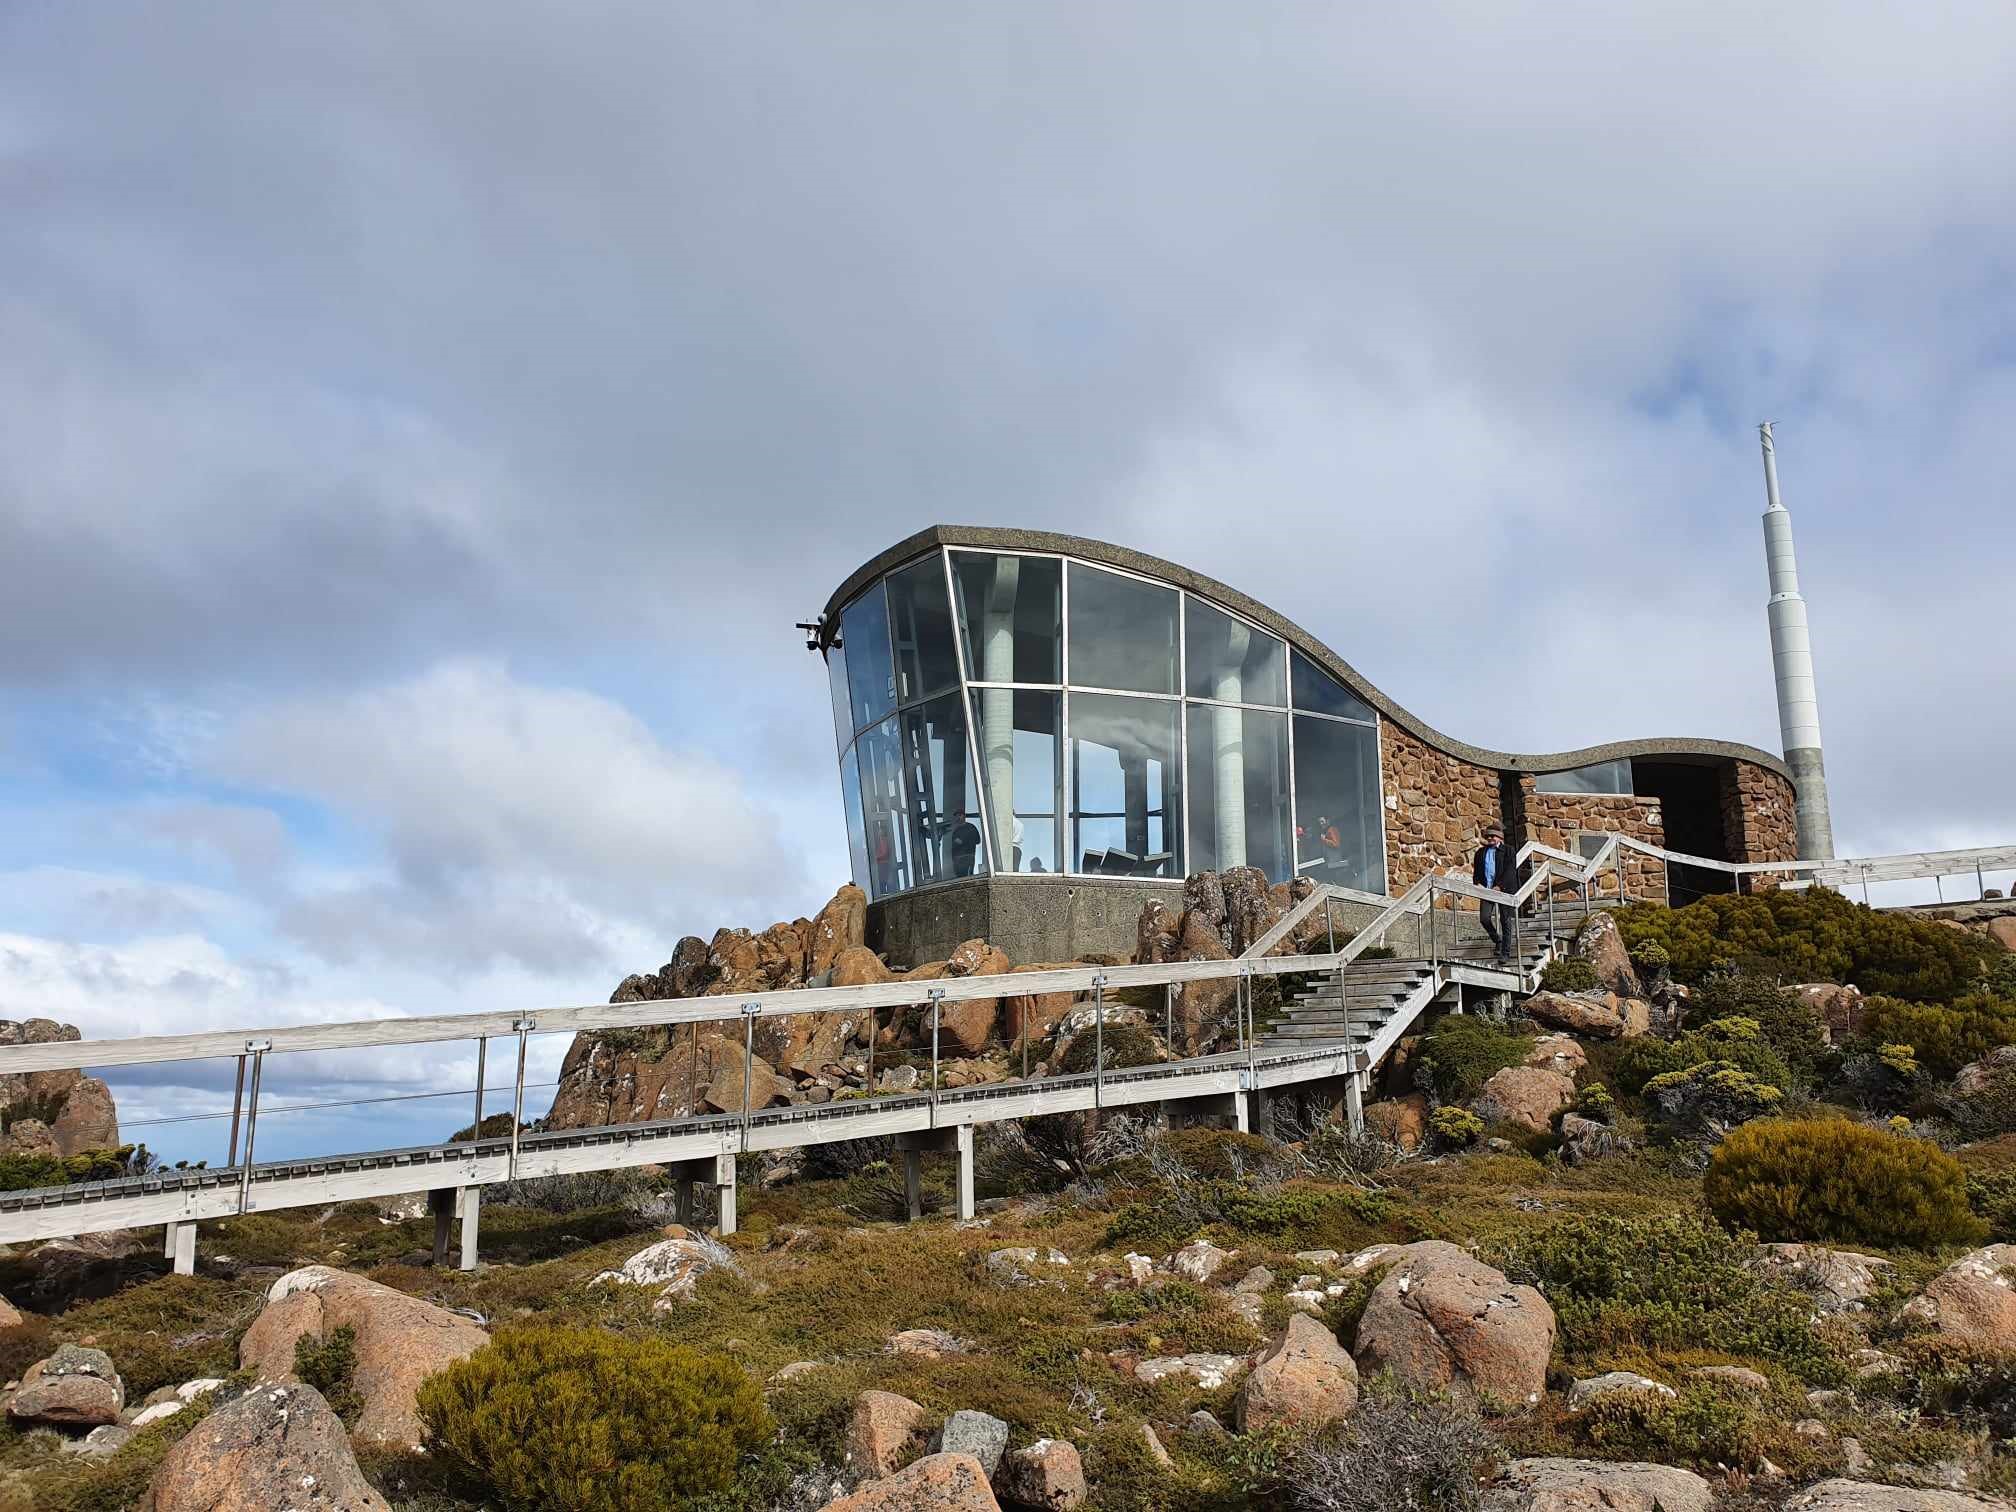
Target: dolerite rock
x,y
1305,1377
1156,933
85,1117
10,1316
1840,1280
1047,1474
842,925
1400,1121
936,1483
883,1431
401,1340
1574,1485
742,1076
1601,944
1595,1388
1199,1260
1733,1375
1838,1008
1441,1319
980,1434
1526,1096
275,1447
1557,1052
1251,908
968,1027
1586,1139
1209,1371
1858,1496
1975,1078
1578,1014
858,966
674,1265
74,1388
1034,1014
1973,1300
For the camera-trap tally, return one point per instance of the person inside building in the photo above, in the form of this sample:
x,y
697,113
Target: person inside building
x,y
1494,867
964,843
1332,844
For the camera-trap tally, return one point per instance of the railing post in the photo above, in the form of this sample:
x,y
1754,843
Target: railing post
x,y
1168,1016
1550,911
1330,924
1238,1017
523,1027
1099,1041
1434,930
749,1012
1980,882
937,1000
872,1016
237,1103
257,1050
482,1055
1252,1027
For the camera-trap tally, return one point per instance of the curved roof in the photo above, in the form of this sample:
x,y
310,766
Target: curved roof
x,y
990,538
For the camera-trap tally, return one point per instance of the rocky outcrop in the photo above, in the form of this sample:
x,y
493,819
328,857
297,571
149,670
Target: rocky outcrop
x,y
276,1446
1593,1389
75,1387
1575,1485
1839,1009
1442,1320
1595,1016
936,1483
1973,1300
1400,1121
674,1265
1046,1475
884,1430
53,1112
1557,1052
1601,944
1526,1096
1977,1077
1859,1496
1840,1280
1305,1377
401,1340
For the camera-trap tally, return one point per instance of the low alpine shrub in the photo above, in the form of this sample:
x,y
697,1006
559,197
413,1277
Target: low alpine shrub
x,y
330,1365
1396,1451
583,1420
1943,1038
1569,974
1461,1053
1455,1128
1829,1179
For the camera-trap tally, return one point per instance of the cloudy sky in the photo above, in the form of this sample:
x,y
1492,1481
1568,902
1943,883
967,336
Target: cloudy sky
x,y
420,427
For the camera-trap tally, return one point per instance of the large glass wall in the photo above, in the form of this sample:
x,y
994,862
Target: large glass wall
x,y
1029,713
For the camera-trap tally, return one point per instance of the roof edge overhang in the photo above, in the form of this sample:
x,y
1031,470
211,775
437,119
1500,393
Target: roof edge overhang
x,y
994,538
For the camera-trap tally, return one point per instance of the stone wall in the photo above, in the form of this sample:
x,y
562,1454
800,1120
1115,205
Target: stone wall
x,y
1436,807
1758,816
1556,818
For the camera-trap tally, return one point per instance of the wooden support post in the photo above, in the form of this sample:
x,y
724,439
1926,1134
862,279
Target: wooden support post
x,y
441,1203
724,1191
913,1183
472,1204
180,1247
1354,1101
963,1145
682,1201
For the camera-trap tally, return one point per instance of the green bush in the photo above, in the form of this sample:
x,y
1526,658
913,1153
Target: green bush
x,y
22,1172
1943,1038
1667,1282
1286,1213
1455,1128
1991,1185
1735,1042
582,1420
1462,1052
1829,1179
1711,1096
1125,1045
1813,935
1569,974
329,1365
1224,1154
1789,1026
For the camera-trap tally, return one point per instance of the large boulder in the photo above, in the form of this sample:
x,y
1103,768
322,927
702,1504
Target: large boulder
x,y
1047,1474
1840,1280
1442,1320
1035,1014
88,1120
858,966
883,1431
1576,1485
1305,1377
674,1264
1527,1096
979,1434
967,1028
10,1315
841,925
1976,1077
401,1340
1400,1121
276,1446
1839,1009
936,1483
1597,1017
1859,1496
1601,944
1557,1052
1973,1300
81,1114
740,1076
75,1387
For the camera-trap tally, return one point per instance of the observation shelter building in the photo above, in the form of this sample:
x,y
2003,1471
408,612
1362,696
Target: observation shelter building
x,y
1038,732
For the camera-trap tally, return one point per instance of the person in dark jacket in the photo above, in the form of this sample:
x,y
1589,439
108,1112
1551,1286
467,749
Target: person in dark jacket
x,y
1494,867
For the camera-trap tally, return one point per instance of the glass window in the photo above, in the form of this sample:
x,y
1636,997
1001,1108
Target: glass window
x,y
927,661
843,713
1238,790
1320,693
1603,777
885,837
943,799
857,834
1123,632
1017,733
1124,784
1227,659
1011,614
1337,835
864,632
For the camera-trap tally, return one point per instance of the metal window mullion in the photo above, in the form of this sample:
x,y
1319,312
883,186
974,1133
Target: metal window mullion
x,y
1183,851
982,798
1067,822
1379,801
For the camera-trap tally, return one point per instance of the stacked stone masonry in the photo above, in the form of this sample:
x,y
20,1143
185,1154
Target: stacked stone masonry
x,y
1436,807
1557,818
1757,815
